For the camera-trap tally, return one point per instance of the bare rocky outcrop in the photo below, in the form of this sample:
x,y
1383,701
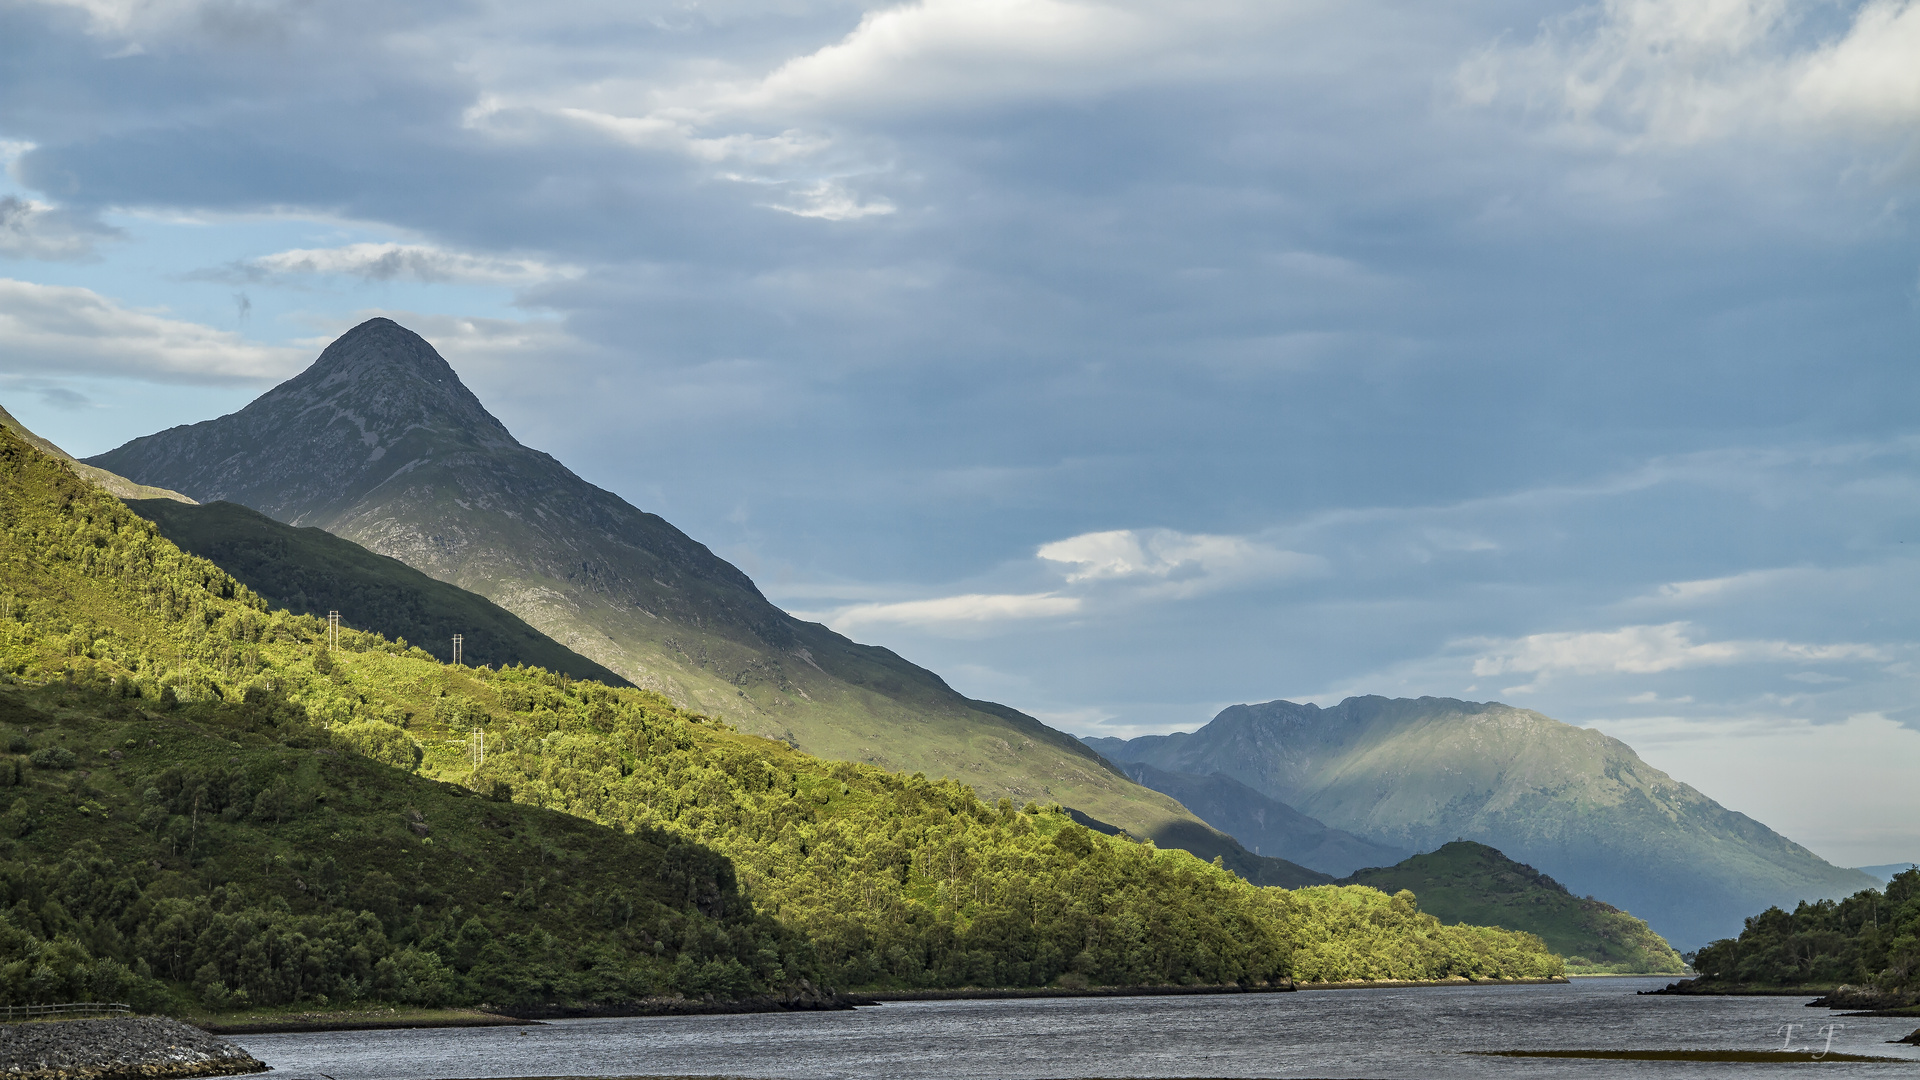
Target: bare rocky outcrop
x,y
118,1049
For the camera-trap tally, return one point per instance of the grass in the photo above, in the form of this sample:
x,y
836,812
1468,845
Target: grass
x,y
307,1018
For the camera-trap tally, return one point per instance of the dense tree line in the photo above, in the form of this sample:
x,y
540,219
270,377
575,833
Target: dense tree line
x,y
1871,938
751,865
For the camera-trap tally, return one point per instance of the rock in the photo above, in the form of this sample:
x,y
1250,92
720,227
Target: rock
x,y
1849,996
118,1049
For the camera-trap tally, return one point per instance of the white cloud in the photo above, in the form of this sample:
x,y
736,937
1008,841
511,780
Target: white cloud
x,y
1184,563
946,49
829,200
972,608
1642,650
36,230
1688,71
113,16
413,262
70,331
674,129
920,56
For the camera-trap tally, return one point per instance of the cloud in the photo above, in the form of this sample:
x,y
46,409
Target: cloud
x,y
71,331
398,262
831,201
969,49
972,608
36,230
1643,650
1689,71
1189,562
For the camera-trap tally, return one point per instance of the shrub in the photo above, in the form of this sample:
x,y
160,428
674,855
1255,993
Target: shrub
x,y
52,757
380,741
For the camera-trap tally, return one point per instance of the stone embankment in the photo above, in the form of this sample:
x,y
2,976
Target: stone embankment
x,y
133,1048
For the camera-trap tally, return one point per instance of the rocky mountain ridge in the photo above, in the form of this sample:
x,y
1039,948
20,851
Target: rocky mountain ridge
x,y
1572,801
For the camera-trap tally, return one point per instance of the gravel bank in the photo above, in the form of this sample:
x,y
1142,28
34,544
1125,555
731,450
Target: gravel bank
x,y
136,1047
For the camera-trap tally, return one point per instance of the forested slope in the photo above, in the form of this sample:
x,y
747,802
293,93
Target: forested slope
x,y
379,442
863,876
1465,882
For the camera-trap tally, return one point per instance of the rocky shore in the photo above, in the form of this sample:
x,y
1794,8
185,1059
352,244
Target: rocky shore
x,y
1707,988
133,1048
1861,1000
1869,1000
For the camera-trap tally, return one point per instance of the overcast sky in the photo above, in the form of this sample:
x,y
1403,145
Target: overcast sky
x,y
1120,361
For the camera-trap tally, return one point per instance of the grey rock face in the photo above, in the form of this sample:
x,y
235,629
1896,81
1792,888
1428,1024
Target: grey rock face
x,y
117,1049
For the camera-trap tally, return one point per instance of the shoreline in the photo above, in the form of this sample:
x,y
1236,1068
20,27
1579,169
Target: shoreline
x,y
357,1020
977,994
392,1020
1458,980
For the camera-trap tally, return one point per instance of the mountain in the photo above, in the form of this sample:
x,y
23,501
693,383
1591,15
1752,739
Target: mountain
x,y
311,572
1268,826
1578,804
1465,882
380,443
225,803
113,483
1886,872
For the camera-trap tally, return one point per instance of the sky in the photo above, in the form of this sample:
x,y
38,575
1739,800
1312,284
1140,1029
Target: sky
x,y
1119,361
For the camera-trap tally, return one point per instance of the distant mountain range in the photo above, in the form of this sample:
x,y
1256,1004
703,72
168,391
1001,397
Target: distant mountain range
x,y
1885,871
1415,774
1268,826
380,443
1465,882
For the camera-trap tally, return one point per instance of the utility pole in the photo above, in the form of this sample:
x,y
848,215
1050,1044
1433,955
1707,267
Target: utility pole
x,y
457,640
333,630
477,749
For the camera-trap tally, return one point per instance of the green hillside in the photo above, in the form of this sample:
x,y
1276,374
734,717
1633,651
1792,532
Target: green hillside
x,y
1465,882
188,861
1577,804
380,443
311,572
110,482
760,862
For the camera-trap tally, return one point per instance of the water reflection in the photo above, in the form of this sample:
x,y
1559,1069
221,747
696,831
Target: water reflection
x,y
1338,1033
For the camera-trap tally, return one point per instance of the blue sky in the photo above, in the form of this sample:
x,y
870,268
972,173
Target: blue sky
x,y
1119,361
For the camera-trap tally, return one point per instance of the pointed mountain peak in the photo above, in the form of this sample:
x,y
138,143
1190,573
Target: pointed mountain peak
x,y
380,348
378,403
385,380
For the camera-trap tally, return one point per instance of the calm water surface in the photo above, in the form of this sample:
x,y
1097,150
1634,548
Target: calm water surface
x,y
1403,1033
